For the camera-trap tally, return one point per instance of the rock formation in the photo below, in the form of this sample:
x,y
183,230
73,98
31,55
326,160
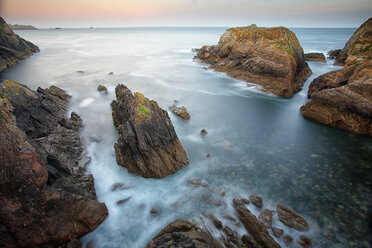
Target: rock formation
x,y
180,112
343,98
12,47
317,57
46,199
271,57
292,219
21,27
147,144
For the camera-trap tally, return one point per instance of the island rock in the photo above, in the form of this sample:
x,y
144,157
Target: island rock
x,y
180,112
271,57
148,144
317,57
21,27
290,218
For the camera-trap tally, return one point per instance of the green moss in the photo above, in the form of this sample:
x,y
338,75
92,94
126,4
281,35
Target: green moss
x,y
144,111
363,49
141,97
284,46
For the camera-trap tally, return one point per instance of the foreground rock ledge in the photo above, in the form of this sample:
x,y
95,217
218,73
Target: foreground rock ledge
x,y
46,199
343,98
271,57
147,144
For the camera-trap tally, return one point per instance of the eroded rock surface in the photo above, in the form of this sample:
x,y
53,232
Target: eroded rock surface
x,y
317,57
147,144
180,112
271,57
292,219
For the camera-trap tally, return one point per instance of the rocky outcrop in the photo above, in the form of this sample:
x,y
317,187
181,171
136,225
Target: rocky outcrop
x,y
343,98
181,233
46,199
102,88
271,57
21,27
292,219
317,57
180,112
147,144
12,47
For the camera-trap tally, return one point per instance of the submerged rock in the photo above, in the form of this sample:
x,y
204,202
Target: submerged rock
x,y
216,222
180,112
304,242
318,57
271,57
12,47
266,217
46,199
147,144
333,53
197,182
290,218
343,98
277,232
181,233
102,88
203,132
256,200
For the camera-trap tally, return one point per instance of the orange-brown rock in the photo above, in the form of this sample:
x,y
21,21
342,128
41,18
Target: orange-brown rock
x,y
317,57
343,98
271,57
148,144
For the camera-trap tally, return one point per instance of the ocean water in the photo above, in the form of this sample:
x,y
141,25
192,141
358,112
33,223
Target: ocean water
x,y
259,143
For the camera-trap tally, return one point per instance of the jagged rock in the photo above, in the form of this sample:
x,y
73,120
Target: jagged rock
x,y
266,217
253,226
203,132
250,242
216,222
318,57
290,218
12,47
304,242
245,201
288,239
271,57
343,98
197,182
277,232
333,53
35,210
180,112
102,88
154,211
122,201
147,144
181,233
256,200
229,217
232,236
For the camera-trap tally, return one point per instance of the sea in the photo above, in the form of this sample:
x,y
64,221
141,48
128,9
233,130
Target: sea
x,y
257,143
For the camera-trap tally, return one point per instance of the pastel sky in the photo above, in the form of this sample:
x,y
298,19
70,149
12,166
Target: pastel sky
x,y
132,13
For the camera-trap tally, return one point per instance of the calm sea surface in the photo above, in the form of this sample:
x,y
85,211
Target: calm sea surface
x,y
259,143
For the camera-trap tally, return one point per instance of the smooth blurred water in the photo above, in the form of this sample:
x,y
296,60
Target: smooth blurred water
x,y
258,143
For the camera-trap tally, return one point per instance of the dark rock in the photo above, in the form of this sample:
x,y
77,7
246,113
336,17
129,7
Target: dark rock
x,y
253,226
122,201
12,47
229,217
197,182
271,57
245,201
208,155
180,112
318,57
216,222
333,53
111,73
181,233
217,203
232,236
102,88
80,71
288,239
256,200
266,217
154,211
120,186
147,144
304,242
277,232
290,218
203,132
250,242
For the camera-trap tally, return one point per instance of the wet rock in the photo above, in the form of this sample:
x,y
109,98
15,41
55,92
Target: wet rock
x,y
250,242
80,71
208,155
217,203
304,242
181,233
318,57
245,201
13,48
271,57
180,112
229,217
333,53
277,232
203,132
102,88
111,73
291,219
120,186
253,226
197,182
232,236
216,222
288,239
154,211
266,217
95,138
122,201
147,144
256,200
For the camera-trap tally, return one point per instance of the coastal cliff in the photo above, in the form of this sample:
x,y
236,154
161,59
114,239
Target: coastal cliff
x,y
21,27
12,47
343,98
271,57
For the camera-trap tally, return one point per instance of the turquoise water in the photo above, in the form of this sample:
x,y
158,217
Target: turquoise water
x,y
258,143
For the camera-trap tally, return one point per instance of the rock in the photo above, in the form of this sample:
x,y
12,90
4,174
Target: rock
x,y
253,226
291,219
122,201
216,222
318,57
80,71
277,232
46,199
111,73
120,186
271,57
266,217
181,233
288,239
102,88
197,182
21,27
208,155
180,112
245,201
250,242
256,200
304,242
229,217
217,203
203,132
95,138
147,144
343,98
12,47
154,211
333,53
232,236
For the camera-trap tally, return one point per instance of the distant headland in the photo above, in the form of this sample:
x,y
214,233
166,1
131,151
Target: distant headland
x,y
21,27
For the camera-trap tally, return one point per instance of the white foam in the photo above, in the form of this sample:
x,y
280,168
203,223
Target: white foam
x,y
86,102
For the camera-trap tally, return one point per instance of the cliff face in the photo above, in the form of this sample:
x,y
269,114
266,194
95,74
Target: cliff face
x,y
21,27
271,57
343,98
46,199
12,47
147,144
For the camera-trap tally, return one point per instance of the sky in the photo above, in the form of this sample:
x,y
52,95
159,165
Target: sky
x,y
189,13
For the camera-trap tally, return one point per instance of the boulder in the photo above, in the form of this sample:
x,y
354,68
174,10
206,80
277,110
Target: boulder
x,y
102,88
277,232
147,143
304,242
343,98
216,222
180,112
292,219
256,200
203,132
12,47
332,54
181,233
318,57
271,57
197,182
266,217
